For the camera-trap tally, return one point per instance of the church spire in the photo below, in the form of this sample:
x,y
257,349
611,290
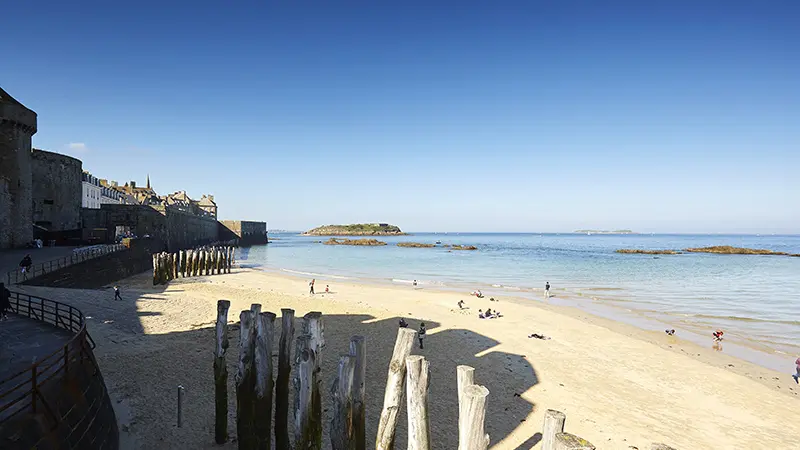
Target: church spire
x,y
148,181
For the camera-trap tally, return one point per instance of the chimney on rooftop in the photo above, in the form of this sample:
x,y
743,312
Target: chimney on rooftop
x,y
133,185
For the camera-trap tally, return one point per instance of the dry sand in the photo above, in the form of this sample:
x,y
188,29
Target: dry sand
x,y
620,387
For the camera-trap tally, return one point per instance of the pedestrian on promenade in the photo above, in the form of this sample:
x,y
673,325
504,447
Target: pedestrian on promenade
x,y
116,293
5,301
26,264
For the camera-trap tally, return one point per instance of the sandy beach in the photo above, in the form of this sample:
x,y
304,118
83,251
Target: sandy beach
x,y
620,387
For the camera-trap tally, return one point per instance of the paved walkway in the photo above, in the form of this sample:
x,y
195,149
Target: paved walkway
x,y
24,341
9,259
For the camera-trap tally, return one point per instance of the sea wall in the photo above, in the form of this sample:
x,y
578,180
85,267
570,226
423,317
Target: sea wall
x,y
56,191
247,232
177,229
104,270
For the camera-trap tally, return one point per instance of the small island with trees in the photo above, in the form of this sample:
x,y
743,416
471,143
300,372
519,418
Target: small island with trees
x,y
358,229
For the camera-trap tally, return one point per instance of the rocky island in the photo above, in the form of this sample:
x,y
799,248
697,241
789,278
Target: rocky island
x,y
648,252
365,242
358,229
718,249
463,247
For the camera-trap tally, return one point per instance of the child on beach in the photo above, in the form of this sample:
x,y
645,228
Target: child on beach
x,y
796,376
327,290
718,335
421,334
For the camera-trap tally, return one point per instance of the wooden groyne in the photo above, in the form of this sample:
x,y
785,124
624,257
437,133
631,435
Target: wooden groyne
x,y
206,260
408,379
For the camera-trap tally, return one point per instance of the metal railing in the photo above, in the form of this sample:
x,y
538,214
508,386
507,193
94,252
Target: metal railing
x,y
22,391
78,255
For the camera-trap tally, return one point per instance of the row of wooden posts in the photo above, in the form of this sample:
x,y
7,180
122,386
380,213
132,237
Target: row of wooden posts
x,y
201,261
254,389
408,377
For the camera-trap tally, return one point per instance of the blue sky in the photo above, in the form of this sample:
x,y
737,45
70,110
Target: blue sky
x,y
463,116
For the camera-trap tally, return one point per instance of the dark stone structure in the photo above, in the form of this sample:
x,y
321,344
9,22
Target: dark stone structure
x,y
103,270
56,191
178,229
69,407
248,233
17,126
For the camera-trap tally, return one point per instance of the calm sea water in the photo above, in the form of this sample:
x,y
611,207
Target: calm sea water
x,y
755,299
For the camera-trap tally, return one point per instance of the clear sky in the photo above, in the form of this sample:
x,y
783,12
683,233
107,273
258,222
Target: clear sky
x,y
671,116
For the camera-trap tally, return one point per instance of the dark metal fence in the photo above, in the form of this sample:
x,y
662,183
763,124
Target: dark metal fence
x,y
77,256
22,391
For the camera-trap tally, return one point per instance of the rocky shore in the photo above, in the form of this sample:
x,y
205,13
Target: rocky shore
x,y
364,242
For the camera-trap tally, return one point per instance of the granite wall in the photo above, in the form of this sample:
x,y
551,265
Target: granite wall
x,y
17,126
248,233
56,191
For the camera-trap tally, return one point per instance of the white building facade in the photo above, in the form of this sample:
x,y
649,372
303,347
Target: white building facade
x,y
92,191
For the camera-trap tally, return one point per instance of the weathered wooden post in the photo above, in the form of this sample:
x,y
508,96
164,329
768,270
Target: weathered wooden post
x,y
211,261
256,308
306,423
218,252
221,374
162,268
265,334
358,350
282,383
418,380
215,261
203,262
155,269
170,266
176,270
465,376
472,414
342,432
553,424
231,258
195,262
313,326
566,441
394,389
245,383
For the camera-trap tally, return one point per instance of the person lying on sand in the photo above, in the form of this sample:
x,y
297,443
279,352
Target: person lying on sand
x,y
718,335
670,332
539,336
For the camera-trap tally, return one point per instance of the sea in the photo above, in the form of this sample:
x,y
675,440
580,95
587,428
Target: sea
x,y
754,299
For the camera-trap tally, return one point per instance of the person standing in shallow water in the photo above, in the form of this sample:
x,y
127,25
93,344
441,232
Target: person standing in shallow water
x,y
421,335
311,286
547,290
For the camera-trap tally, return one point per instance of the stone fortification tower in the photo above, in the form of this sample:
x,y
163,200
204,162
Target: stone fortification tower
x,y
17,126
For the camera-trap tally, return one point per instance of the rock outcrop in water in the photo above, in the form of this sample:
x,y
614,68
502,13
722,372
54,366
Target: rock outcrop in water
x,y
365,242
463,247
648,252
358,229
415,245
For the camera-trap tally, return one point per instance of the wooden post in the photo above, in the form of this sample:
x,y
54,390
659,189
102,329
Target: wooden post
x,y
465,377
417,381
265,334
218,252
221,374
313,326
203,262
358,350
342,432
176,270
256,308
170,266
472,413
282,383
155,269
245,381
394,389
305,423
211,261
553,424
232,258
162,268
195,263
566,441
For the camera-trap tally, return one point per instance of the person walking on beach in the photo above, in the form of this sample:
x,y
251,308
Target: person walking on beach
x,y
421,335
547,290
116,293
415,283
311,286
5,302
